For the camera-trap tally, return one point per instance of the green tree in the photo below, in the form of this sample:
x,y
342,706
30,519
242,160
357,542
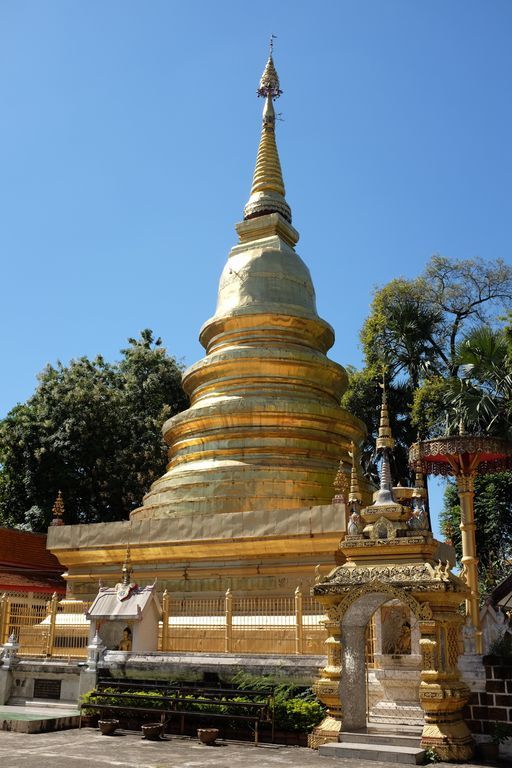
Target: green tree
x,y
402,335
91,430
480,398
416,333
415,326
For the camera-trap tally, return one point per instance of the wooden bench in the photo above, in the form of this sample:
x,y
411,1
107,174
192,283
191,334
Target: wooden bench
x,y
179,701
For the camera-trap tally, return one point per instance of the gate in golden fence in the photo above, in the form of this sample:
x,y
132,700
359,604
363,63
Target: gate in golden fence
x,y
20,615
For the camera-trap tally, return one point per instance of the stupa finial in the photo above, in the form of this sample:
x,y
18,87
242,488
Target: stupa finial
x,y
58,510
269,82
267,191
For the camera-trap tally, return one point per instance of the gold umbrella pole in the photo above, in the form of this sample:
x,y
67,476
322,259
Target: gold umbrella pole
x,y
465,487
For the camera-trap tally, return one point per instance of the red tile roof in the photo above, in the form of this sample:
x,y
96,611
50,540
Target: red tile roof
x,y
26,550
17,582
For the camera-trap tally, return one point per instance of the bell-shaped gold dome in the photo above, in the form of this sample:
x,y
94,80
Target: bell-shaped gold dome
x,y
264,429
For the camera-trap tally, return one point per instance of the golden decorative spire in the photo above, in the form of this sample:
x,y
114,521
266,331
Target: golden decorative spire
x,y
340,485
58,510
385,438
127,569
355,494
267,191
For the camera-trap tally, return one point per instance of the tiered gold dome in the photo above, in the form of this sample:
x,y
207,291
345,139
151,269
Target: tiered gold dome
x,y
264,429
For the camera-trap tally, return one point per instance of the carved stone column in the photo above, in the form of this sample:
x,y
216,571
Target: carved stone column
x,y
353,685
327,687
442,693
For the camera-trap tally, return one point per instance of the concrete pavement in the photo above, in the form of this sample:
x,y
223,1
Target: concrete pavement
x,y
87,747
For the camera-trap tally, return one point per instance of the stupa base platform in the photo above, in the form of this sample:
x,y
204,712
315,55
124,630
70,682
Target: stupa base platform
x,y
269,552
195,667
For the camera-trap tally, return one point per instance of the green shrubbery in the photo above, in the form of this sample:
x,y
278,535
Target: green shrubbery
x,y
295,707
147,699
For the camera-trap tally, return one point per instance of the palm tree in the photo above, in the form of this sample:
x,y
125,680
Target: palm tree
x,y
481,398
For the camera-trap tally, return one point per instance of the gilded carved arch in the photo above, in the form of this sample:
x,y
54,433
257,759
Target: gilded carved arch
x,y
422,611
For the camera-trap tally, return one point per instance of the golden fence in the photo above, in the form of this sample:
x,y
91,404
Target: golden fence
x,y
229,624
49,628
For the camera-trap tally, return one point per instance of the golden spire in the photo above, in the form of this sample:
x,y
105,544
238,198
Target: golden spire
x,y
58,510
385,438
267,191
340,485
355,494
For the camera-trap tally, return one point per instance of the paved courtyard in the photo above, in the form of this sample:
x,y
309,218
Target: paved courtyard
x,y
86,747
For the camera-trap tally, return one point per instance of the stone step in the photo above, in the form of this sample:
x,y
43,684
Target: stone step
x,y
405,728
382,737
45,703
386,753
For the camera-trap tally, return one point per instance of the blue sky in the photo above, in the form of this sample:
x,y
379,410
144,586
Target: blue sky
x,y
128,138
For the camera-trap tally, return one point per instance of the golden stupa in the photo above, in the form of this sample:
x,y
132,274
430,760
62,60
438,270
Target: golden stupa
x,y
245,502
265,429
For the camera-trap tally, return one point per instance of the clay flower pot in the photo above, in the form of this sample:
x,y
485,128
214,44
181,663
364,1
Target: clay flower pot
x,y
207,735
152,730
108,727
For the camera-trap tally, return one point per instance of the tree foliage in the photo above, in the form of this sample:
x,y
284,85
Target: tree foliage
x,y
91,430
420,333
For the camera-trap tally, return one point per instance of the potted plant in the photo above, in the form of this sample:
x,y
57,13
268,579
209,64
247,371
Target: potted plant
x,y
108,727
207,735
490,750
152,730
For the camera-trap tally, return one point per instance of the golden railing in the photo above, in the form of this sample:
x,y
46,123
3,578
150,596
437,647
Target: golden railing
x,y
232,624
49,628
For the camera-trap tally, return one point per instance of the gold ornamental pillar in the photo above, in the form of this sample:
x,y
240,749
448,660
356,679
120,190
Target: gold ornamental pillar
x,y
465,487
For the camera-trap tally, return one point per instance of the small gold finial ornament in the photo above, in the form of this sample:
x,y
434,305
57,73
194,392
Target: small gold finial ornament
x,y
125,587
355,493
127,569
58,510
340,485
